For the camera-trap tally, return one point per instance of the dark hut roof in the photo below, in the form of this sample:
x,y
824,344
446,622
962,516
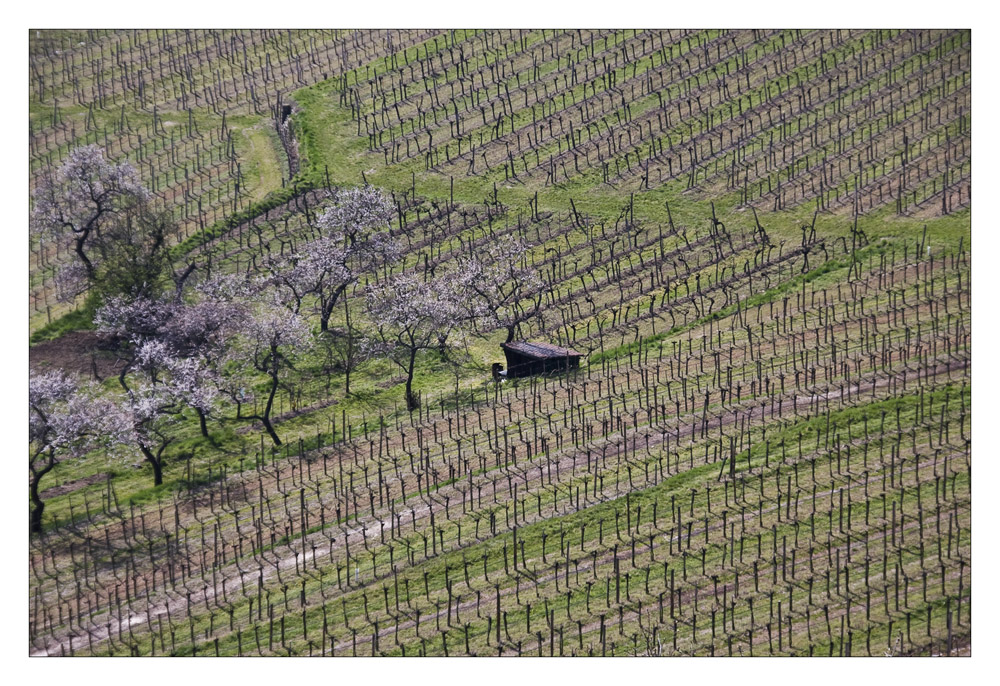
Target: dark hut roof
x,y
542,351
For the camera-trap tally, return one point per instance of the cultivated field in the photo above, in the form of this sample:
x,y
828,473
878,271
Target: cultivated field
x,y
758,240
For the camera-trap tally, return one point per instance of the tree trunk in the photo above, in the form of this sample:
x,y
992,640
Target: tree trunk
x,y
155,462
270,430
411,400
83,257
201,422
36,516
38,506
121,376
349,358
266,418
511,330
326,310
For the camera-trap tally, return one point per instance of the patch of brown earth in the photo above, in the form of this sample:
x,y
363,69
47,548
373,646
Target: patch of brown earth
x,y
78,352
75,485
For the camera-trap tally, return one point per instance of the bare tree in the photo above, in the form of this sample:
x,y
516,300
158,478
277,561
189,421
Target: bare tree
x,y
651,643
133,252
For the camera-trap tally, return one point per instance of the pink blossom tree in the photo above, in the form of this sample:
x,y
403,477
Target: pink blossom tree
x,y
503,290
65,420
150,411
267,340
408,316
186,339
162,386
354,242
81,196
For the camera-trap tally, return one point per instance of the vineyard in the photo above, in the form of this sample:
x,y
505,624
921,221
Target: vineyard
x,y
758,241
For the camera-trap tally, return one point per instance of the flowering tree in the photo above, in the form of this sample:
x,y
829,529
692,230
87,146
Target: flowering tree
x,y
132,252
344,349
131,321
153,405
503,291
175,353
267,340
82,195
65,419
409,315
70,281
160,336
358,212
354,243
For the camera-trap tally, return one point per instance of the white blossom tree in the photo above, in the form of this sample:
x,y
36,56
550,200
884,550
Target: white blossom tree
x,y
354,242
267,340
502,290
185,339
175,354
81,196
151,410
131,322
344,349
65,419
409,315
358,212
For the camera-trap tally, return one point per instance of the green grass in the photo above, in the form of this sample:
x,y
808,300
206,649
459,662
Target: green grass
x,y
263,163
74,320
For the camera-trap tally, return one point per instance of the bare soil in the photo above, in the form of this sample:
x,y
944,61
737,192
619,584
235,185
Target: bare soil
x,y
79,352
72,486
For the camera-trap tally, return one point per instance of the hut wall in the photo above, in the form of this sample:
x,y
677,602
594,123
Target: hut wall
x,y
522,365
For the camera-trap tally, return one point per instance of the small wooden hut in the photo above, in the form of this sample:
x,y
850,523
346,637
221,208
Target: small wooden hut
x,y
526,359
